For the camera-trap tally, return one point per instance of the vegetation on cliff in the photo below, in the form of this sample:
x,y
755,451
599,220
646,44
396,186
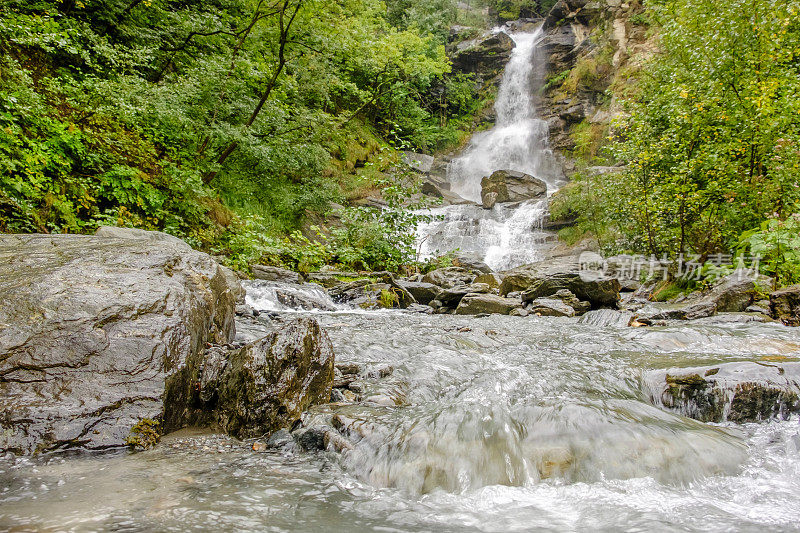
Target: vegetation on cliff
x,y
709,138
230,123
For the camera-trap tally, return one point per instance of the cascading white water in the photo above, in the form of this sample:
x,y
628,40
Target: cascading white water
x,y
503,237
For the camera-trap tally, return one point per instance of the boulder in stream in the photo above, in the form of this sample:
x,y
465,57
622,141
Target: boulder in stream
x,y
599,291
505,186
268,384
785,305
93,328
475,304
735,392
449,277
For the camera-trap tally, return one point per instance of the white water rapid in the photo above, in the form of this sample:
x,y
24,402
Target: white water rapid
x,y
503,237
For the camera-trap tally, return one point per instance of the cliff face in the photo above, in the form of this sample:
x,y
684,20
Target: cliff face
x,y
594,50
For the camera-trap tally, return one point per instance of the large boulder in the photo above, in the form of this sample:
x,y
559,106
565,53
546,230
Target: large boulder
x,y
550,307
475,304
268,384
599,291
505,186
735,392
785,305
422,292
93,328
271,273
449,277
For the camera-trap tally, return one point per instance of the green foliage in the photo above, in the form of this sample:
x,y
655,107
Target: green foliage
x,y
192,118
144,435
777,243
388,299
711,139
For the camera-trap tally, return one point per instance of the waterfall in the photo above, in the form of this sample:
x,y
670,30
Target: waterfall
x,y
503,237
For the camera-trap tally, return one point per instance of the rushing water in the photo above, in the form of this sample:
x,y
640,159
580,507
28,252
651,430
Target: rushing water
x,y
484,424
504,237
502,424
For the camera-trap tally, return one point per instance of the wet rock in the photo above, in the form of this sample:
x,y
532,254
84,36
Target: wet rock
x,y
680,311
735,392
550,307
451,297
519,311
486,56
271,273
280,439
337,396
761,306
471,262
449,277
599,291
258,447
733,318
566,296
493,280
607,318
475,304
348,368
511,186
419,308
268,384
308,296
730,294
98,328
785,305
422,292
311,439
480,288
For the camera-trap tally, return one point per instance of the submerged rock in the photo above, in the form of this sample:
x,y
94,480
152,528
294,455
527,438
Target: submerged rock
x,y
93,328
607,318
735,392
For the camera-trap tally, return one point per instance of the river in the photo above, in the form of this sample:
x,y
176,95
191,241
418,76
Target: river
x,y
482,424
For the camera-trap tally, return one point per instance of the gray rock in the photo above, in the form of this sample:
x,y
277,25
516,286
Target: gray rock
x,y
472,263
99,330
475,304
511,186
486,56
452,297
550,307
493,280
422,292
263,386
271,273
566,296
785,305
761,306
599,291
735,392
449,277
280,439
